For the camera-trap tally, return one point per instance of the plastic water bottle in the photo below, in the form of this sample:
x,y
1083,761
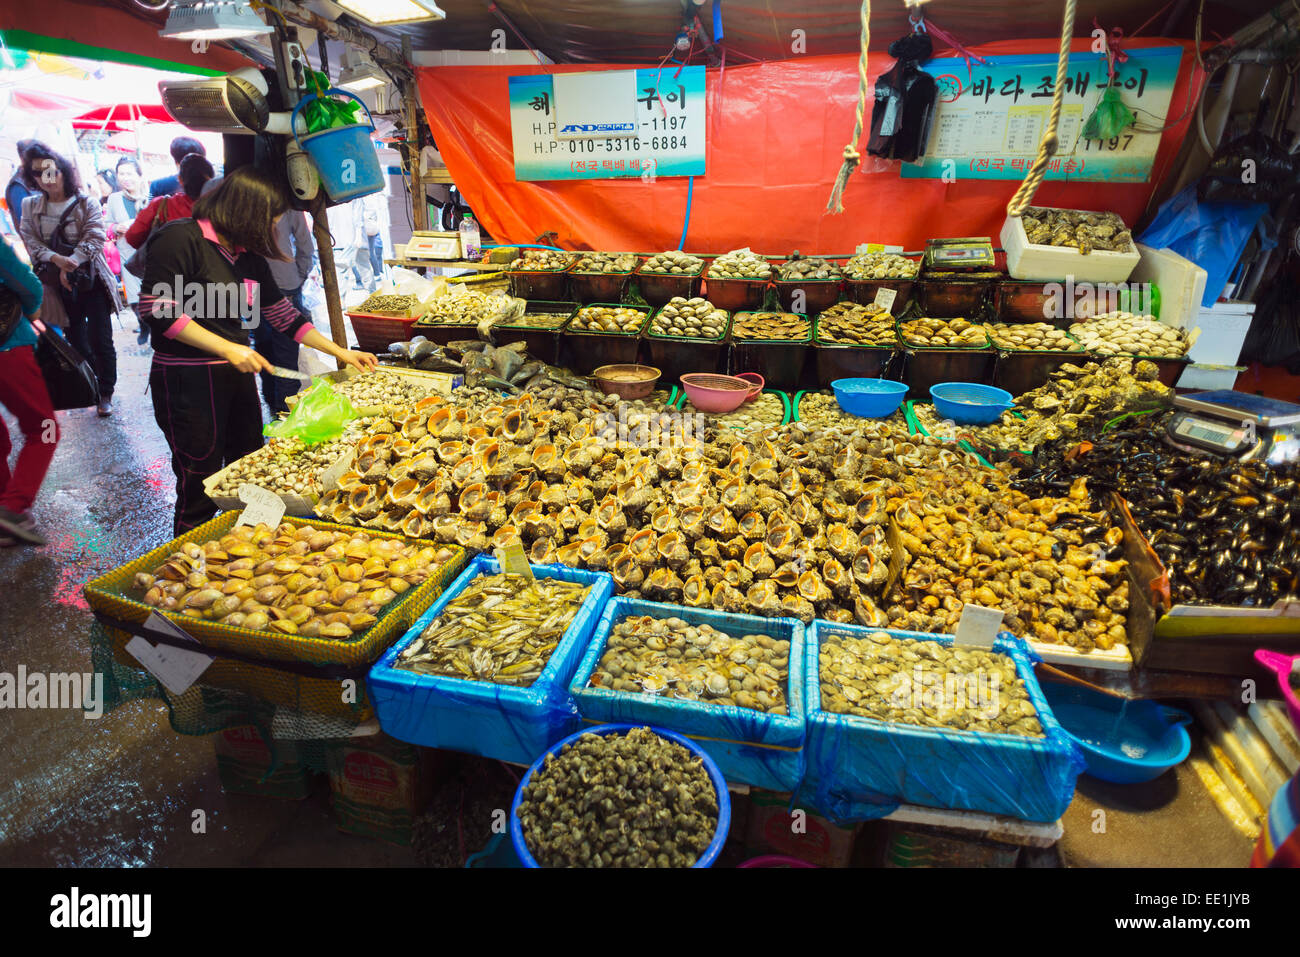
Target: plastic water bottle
x,y
469,239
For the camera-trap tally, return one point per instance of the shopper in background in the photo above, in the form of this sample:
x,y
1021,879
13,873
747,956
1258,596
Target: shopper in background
x,y
23,393
293,237
64,234
204,394
120,211
181,147
348,235
194,172
18,187
372,208
106,184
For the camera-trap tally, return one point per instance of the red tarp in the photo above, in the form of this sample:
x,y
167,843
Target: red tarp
x,y
776,135
122,113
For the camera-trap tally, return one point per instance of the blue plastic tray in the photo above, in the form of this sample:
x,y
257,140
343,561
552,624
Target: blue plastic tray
x,y
861,768
479,717
765,750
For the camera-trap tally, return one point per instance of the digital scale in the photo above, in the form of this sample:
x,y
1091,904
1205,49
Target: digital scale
x,y
431,245
1248,427
960,254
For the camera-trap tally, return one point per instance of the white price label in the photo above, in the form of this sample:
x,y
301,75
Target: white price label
x,y
176,668
261,506
885,299
978,626
514,561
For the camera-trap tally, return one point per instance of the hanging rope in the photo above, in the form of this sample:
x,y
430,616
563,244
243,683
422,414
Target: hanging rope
x,y
1034,178
851,155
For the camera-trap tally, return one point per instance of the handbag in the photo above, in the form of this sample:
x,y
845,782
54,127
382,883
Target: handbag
x,y
81,279
135,265
68,377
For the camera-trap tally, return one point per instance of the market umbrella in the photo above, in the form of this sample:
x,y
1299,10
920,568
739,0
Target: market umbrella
x,y
121,114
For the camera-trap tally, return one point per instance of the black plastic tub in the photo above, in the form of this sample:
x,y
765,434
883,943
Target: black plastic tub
x,y
544,284
542,344
588,287
818,294
443,334
1021,372
781,364
927,367
864,291
584,351
854,362
951,299
657,288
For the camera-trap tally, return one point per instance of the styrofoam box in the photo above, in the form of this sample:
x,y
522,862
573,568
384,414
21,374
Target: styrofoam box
x,y
1181,282
1026,260
1223,328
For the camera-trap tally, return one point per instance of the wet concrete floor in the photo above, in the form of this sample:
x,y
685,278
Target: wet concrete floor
x,y
122,790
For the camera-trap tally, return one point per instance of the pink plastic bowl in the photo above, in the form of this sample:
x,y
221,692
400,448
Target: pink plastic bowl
x,y
1282,664
710,392
775,860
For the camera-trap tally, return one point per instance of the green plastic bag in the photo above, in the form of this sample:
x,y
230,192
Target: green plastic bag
x,y
320,415
325,113
1110,118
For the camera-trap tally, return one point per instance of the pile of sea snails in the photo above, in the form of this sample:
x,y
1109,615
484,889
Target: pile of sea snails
x,y
619,800
294,579
806,268
774,520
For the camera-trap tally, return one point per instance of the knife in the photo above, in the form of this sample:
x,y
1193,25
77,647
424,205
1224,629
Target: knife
x,y
283,373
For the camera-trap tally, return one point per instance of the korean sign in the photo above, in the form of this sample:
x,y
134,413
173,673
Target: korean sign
x,y
669,140
988,123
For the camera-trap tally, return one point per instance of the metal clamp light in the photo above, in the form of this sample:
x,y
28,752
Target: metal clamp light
x,y
212,20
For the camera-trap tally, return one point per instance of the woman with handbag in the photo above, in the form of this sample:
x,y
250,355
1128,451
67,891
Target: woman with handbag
x,y
202,381
23,393
64,234
120,211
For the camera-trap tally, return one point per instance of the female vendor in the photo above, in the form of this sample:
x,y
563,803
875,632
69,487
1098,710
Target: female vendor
x,y
205,287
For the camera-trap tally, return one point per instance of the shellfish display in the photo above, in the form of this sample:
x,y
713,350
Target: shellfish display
x,y
740,264
807,267
501,628
677,263
783,326
1077,229
856,324
691,318
619,800
597,262
924,683
293,579
670,657
943,334
543,260
881,266
1126,334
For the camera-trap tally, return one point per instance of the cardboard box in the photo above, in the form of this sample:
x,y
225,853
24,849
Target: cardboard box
x,y
378,786
774,828
243,759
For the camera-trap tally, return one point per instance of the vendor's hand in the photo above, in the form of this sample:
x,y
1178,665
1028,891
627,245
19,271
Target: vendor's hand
x,y
361,361
64,263
63,278
245,359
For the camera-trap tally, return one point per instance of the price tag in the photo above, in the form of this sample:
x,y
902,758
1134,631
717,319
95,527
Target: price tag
x,y
978,626
261,507
885,299
176,668
514,561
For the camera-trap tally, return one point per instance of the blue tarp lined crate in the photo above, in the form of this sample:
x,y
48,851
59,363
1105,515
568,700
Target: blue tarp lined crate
x,y
480,717
751,747
863,768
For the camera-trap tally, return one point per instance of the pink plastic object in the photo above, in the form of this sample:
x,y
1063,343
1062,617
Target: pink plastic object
x,y
754,377
710,392
775,860
1282,664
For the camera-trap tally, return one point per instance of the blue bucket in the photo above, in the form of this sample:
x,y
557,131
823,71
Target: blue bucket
x,y
715,775
869,398
1122,741
969,403
345,158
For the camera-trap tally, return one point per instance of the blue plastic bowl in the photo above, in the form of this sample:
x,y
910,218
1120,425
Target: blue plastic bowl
x,y
968,403
1122,741
719,786
869,398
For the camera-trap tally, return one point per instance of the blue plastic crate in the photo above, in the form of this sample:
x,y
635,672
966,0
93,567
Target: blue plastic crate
x,y
861,768
750,747
479,717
